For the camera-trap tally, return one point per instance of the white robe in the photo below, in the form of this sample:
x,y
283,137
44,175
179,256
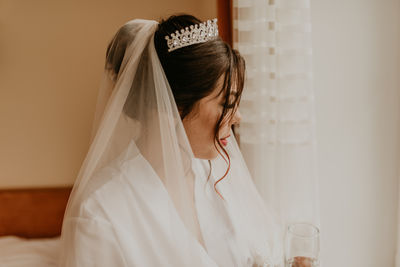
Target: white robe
x,y
126,221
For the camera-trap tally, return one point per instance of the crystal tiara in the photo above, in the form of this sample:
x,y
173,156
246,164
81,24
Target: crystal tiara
x,y
198,33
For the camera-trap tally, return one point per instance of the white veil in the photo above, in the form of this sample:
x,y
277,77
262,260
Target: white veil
x,y
137,115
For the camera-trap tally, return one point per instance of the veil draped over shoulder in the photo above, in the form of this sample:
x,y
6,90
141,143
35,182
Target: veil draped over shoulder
x,y
141,198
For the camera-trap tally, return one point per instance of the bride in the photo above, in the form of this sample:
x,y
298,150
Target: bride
x,y
164,182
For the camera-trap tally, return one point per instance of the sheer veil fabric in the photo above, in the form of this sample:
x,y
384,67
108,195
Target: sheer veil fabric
x,y
141,198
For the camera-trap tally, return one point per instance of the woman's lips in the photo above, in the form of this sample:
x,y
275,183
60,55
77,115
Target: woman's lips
x,y
224,140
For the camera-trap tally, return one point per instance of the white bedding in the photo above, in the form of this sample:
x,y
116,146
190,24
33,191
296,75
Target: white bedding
x,y
20,252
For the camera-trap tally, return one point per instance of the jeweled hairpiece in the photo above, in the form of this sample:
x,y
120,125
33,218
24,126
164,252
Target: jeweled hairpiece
x,y
195,34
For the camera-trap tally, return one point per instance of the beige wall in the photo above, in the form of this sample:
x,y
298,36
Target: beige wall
x,y
51,60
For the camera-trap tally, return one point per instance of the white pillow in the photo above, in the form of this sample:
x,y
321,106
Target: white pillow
x,y
21,252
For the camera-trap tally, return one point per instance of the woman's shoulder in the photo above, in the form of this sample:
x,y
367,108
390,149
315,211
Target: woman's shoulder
x,y
123,188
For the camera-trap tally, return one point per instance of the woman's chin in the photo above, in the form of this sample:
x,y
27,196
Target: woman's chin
x,y
209,155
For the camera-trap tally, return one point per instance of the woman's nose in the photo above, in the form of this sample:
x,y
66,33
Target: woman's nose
x,y
237,117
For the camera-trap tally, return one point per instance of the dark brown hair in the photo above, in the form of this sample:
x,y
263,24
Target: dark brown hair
x,y
193,71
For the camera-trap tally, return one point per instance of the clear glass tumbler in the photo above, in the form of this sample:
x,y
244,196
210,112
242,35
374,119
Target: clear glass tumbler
x,y
302,245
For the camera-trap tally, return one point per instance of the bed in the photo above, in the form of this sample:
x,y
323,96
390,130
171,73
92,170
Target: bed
x,y
30,226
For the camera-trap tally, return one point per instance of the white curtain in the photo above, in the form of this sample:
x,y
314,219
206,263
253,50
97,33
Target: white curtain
x,y
277,132
397,256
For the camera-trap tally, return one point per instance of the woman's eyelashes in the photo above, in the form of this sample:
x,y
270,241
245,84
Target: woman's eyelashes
x,y
230,105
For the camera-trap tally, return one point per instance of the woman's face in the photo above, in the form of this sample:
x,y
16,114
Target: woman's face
x,y
201,121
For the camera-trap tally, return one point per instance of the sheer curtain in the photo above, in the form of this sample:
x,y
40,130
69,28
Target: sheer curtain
x,y
397,253
277,132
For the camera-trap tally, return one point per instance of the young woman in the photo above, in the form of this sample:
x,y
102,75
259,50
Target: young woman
x,y
164,182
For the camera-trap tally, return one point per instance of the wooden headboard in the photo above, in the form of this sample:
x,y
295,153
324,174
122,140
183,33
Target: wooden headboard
x,y
32,213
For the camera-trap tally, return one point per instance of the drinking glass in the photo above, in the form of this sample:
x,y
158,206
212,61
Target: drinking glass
x,y
302,245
